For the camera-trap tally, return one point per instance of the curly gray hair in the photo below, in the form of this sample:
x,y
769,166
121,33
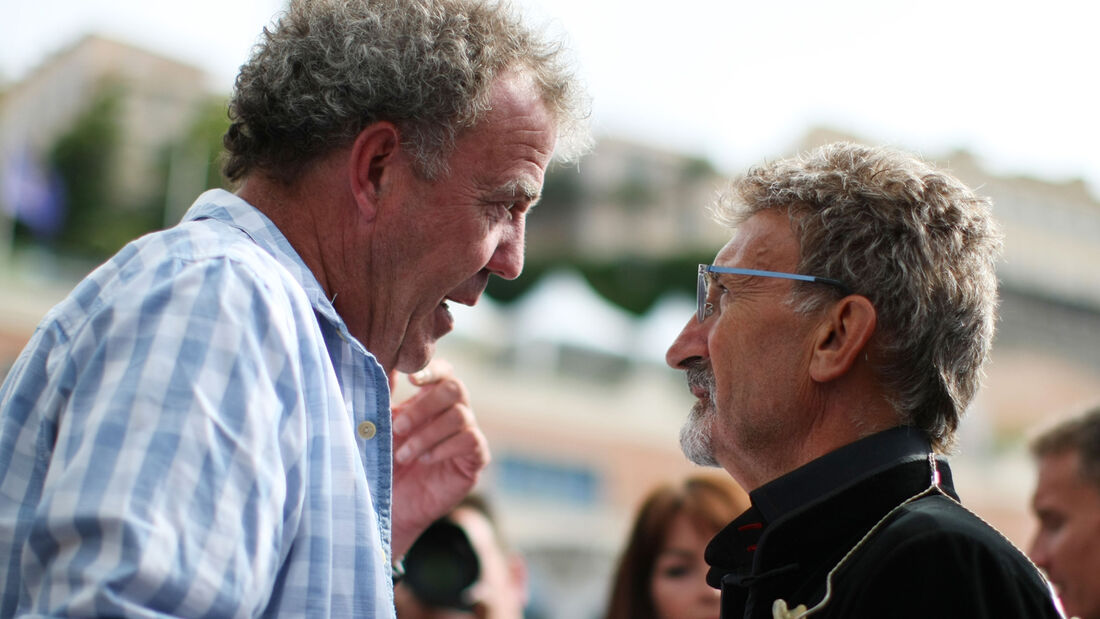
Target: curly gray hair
x,y
329,68
916,242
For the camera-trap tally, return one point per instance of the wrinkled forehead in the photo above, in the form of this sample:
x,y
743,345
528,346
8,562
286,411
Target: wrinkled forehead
x,y
764,240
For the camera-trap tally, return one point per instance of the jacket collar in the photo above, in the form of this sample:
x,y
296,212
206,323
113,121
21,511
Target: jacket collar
x,y
858,482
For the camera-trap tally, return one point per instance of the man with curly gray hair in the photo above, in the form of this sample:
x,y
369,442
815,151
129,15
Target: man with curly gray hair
x,y
838,338
204,427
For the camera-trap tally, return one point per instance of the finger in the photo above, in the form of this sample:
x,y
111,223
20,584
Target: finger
x,y
471,449
428,403
436,370
427,436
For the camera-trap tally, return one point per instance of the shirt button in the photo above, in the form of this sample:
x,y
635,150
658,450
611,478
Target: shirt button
x,y
366,430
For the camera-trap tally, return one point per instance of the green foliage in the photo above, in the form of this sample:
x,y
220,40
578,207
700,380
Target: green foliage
x,y
697,168
635,191
98,219
508,291
562,191
84,158
204,138
633,283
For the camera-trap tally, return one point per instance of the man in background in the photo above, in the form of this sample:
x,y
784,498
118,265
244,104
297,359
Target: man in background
x,y
492,578
1067,504
838,338
203,427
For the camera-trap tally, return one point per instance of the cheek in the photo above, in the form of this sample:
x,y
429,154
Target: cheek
x,y
725,351
518,232
1085,545
482,243
669,596
458,256
738,370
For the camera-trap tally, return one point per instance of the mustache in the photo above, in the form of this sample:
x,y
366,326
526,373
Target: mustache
x,y
700,375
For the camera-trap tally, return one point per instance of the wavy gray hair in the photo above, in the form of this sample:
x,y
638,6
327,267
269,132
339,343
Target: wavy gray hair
x,y
916,242
329,68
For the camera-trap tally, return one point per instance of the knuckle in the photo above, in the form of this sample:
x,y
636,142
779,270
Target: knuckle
x,y
466,414
452,389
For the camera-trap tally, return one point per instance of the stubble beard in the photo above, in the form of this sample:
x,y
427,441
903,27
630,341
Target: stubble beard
x,y
696,434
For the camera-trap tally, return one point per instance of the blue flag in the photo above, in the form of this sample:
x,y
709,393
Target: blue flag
x,y
33,195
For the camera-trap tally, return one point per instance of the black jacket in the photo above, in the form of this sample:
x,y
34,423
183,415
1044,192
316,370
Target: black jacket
x,y
930,558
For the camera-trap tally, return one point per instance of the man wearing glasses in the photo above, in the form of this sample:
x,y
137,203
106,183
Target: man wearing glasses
x,y
838,339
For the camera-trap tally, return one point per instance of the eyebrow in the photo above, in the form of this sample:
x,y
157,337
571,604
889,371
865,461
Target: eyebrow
x,y
726,278
714,270
519,187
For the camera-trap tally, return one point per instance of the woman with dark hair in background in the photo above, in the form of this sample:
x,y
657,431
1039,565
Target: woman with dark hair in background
x,y
661,573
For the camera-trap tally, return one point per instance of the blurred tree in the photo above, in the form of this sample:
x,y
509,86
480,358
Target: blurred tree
x,y
632,283
192,164
551,226
204,139
99,219
640,185
636,283
635,190
84,157
695,169
562,191
509,290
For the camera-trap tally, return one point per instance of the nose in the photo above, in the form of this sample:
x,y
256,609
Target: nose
x,y
707,593
507,259
1039,554
707,599
689,346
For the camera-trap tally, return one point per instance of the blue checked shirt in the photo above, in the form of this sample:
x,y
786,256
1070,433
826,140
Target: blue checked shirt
x,y
193,432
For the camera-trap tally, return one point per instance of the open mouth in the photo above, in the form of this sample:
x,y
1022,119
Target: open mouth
x,y
461,298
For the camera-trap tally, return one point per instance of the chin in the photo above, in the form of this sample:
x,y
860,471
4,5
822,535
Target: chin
x,y
413,358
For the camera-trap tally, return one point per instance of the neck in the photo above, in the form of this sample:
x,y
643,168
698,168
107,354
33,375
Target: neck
x,y
319,219
833,421
295,212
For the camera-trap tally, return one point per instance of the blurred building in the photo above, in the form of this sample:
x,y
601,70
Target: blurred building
x,y
581,414
156,101
626,198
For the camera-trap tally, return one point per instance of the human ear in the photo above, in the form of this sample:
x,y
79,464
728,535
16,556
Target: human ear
x,y
841,337
372,156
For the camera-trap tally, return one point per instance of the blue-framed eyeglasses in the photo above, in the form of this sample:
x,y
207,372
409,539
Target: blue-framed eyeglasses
x,y
702,289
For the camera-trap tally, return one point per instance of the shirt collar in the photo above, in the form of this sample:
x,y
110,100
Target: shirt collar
x,y
838,469
228,208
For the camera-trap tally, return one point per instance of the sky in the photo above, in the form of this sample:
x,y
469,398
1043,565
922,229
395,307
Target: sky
x,y
1015,83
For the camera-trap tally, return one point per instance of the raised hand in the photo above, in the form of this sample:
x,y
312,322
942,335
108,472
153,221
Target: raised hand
x,y
439,452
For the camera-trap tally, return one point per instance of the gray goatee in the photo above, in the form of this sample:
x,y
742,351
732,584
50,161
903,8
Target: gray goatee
x,y
695,435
